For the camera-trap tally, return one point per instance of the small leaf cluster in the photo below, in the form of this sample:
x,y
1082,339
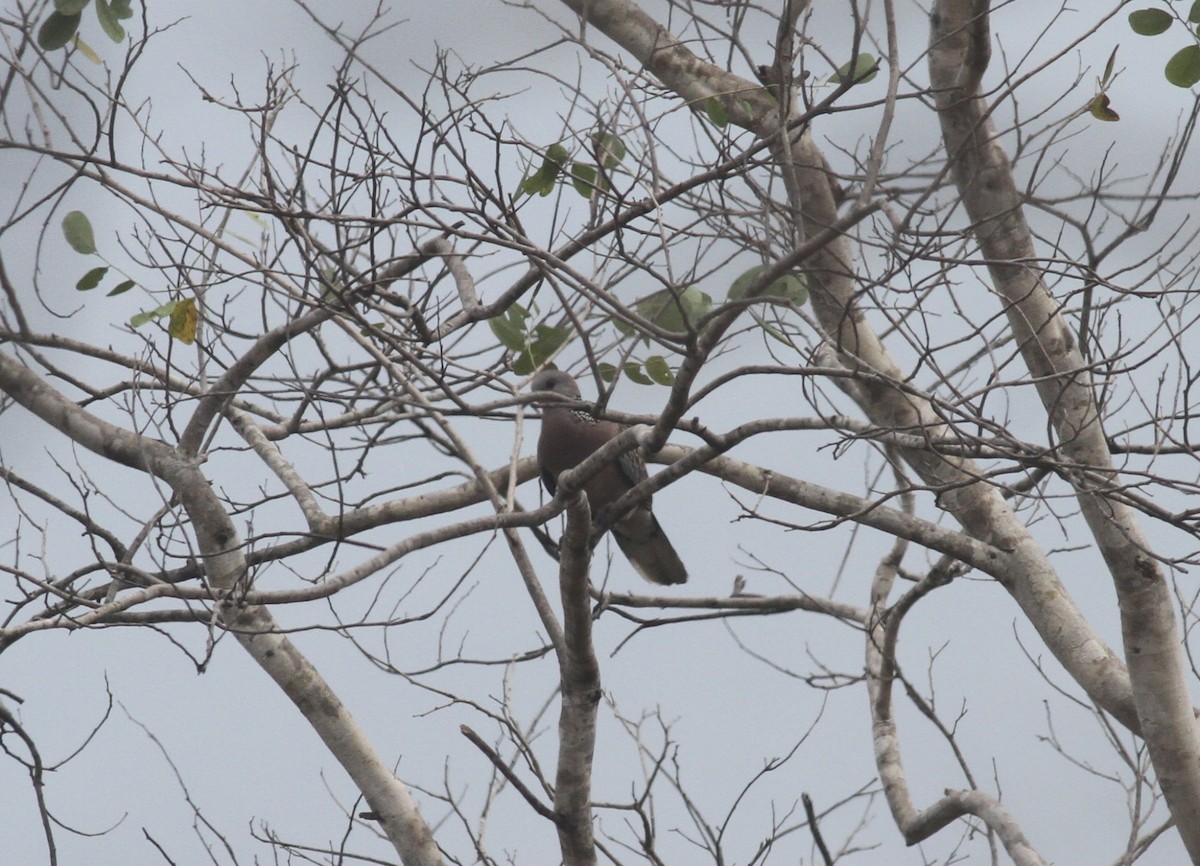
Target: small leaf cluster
x,y
1183,67
682,310
789,287
860,70
586,177
1100,106
183,313
653,371
63,23
533,346
182,318
77,229
678,310
718,113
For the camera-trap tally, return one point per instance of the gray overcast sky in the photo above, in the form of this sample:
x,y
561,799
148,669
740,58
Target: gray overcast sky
x,y
247,757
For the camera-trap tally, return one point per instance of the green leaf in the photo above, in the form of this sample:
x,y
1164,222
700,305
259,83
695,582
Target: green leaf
x,y
537,351
1183,69
607,372
716,112
510,331
57,30
610,150
743,283
1194,13
860,70
583,178
634,371
660,370
789,286
534,347
548,340
77,229
536,184
70,7
122,9
122,288
91,279
1108,67
542,181
1149,22
150,315
773,332
675,312
108,20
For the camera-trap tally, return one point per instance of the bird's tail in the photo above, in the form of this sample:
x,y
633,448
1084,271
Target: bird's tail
x,y
651,553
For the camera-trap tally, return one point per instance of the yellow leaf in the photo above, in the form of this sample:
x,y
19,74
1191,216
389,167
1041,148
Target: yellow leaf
x,y
184,319
87,50
1101,110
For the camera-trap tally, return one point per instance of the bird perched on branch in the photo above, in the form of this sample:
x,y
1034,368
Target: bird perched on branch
x,y
569,436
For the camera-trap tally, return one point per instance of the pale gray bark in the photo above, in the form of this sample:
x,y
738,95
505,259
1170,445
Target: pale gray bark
x,y
579,673
915,824
1157,703
228,574
829,265
413,359
959,52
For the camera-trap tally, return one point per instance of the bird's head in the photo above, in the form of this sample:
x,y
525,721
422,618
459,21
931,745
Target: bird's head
x,y
557,381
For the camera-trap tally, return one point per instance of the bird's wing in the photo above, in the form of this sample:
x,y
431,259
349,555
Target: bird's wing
x,y
632,467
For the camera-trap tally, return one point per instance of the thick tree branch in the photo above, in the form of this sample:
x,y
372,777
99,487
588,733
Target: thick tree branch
x,y
978,506
580,685
959,52
228,574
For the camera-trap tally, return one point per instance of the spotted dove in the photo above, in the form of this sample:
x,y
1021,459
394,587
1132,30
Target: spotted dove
x,y
568,437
